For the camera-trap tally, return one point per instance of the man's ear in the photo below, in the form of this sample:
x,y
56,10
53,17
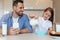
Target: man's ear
x,y
14,7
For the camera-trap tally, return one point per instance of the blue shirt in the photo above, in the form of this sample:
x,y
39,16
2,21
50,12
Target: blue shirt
x,y
23,21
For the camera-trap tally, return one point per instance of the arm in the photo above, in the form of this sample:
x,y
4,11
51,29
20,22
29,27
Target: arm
x,y
0,26
13,31
26,26
51,31
3,19
0,30
26,30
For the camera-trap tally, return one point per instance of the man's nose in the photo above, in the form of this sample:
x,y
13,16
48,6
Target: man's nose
x,y
22,9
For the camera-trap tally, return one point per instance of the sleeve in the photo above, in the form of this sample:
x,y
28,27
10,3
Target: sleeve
x,y
0,23
3,19
50,25
27,24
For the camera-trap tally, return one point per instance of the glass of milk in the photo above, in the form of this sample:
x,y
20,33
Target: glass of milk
x,y
4,28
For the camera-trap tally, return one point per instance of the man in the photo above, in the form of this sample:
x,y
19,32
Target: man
x,y
17,16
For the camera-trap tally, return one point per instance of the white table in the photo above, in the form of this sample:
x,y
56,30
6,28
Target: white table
x,y
30,36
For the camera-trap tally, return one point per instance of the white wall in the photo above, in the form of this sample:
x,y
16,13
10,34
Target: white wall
x,y
1,7
38,4
35,12
33,4
57,10
7,5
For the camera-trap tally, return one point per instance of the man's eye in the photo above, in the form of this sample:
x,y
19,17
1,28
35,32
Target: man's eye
x,y
21,7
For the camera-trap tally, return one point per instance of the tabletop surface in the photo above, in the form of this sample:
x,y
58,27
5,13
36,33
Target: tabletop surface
x,y
30,36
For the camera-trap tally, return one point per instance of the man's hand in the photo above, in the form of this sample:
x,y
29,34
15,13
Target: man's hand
x,y
26,30
13,31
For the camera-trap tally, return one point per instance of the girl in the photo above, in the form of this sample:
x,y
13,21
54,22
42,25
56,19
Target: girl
x,y
45,22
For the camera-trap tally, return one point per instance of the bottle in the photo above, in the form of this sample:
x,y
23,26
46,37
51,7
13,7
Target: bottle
x,y
4,28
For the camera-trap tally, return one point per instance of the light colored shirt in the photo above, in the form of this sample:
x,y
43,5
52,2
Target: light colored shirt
x,y
43,25
15,22
15,19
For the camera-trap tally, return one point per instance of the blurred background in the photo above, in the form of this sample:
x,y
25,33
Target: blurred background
x,y
32,6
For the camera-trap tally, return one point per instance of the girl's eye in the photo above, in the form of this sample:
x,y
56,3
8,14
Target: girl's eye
x,y
47,14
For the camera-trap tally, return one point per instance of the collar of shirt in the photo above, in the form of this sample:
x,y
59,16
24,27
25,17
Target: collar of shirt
x,y
15,19
44,20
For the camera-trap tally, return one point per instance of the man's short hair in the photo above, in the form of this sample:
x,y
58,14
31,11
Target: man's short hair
x,y
15,2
